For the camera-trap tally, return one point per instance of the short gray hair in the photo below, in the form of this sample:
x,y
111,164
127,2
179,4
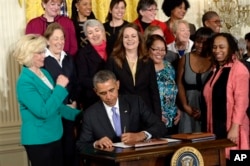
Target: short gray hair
x,y
103,76
177,23
92,23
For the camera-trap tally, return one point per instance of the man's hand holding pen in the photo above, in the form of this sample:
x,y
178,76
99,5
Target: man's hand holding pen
x,y
128,138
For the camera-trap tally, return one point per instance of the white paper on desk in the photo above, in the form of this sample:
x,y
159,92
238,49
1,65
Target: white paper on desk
x,y
121,145
170,140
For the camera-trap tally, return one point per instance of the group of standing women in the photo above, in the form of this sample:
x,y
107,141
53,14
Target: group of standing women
x,y
205,87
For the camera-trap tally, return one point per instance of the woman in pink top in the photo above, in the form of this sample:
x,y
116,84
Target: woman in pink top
x,y
226,94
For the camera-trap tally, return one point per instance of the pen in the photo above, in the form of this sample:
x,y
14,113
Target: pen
x,y
124,129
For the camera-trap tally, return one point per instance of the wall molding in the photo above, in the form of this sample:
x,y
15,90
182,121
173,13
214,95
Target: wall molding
x,y
10,139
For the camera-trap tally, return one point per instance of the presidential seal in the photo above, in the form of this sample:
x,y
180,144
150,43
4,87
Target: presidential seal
x,y
187,156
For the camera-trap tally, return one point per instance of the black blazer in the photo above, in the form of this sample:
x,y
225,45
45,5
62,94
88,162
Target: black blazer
x,y
67,69
145,82
88,63
135,115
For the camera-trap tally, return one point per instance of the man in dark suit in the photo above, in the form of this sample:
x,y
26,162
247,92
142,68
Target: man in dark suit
x,y
137,121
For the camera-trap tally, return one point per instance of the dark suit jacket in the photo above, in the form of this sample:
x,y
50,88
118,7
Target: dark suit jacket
x,y
135,115
67,69
145,82
88,63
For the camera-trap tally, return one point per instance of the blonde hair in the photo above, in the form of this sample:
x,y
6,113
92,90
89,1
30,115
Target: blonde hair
x,y
149,30
177,23
26,46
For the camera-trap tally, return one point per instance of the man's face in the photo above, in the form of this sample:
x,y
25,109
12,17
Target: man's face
x,y
108,91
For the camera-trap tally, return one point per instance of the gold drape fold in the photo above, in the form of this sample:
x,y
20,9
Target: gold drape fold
x,y
100,8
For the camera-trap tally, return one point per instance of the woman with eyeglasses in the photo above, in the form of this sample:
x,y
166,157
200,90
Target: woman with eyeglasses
x,y
165,75
193,70
147,10
41,103
134,68
212,20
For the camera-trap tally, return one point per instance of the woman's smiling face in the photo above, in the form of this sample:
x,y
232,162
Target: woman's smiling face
x,y
157,51
220,49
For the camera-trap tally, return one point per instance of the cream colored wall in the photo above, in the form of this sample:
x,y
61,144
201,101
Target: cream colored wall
x,y
12,26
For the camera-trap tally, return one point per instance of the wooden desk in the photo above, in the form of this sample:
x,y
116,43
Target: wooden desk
x,y
213,153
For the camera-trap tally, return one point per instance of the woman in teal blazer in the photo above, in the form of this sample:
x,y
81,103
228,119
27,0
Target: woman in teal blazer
x,y
41,103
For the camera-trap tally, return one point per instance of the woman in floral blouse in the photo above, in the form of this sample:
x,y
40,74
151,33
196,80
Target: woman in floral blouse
x,y
165,74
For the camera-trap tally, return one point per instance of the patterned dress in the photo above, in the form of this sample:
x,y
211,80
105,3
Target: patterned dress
x,y
168,91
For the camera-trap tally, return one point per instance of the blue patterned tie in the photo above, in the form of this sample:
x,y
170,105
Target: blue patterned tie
x,y
116,121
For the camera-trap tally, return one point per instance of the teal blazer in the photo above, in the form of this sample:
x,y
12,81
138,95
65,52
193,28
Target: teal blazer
x,y
41,108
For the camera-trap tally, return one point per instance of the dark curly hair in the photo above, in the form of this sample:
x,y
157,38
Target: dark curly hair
x,y
169,5
232,45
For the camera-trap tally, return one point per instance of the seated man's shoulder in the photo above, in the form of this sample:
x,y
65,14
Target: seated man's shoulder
x,y
93,108
130,98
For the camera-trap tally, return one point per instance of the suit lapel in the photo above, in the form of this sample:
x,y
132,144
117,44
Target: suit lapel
x,y
93,54
103,118
138,70
124,114
48,76
41,87
127,69
38,82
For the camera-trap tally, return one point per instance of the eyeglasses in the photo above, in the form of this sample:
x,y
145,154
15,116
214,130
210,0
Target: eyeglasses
x,y
217,21
157,50
152,10
40,52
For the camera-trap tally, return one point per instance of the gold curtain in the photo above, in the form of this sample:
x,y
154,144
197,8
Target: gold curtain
x,y
100,8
